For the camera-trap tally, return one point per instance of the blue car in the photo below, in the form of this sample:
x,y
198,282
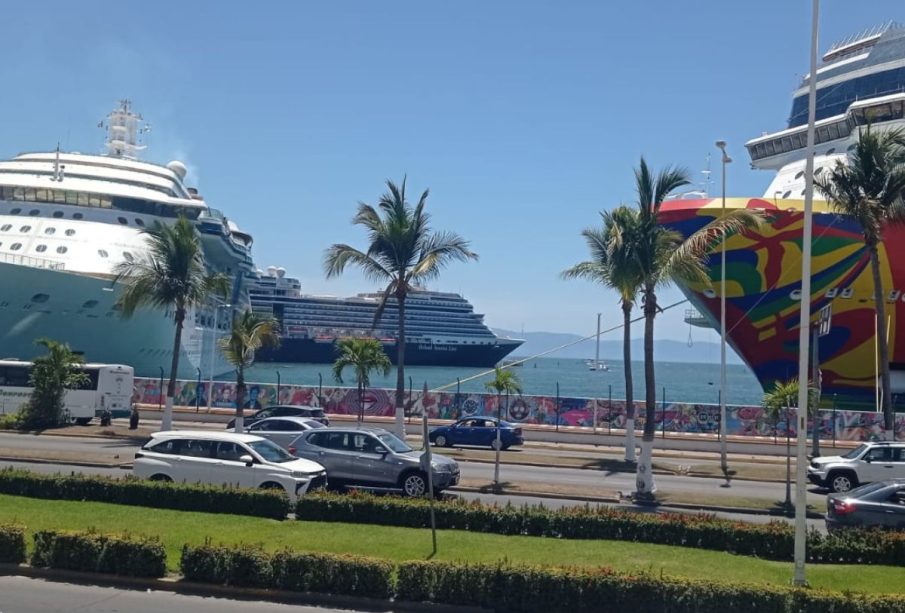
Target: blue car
x,y
477,431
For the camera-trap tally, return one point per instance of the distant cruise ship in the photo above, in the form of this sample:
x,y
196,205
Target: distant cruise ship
x,y
66,220
442,329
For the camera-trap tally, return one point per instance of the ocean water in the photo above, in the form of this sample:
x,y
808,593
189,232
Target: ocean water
x,y
679,381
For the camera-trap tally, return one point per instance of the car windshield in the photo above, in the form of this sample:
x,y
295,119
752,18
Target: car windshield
x,y
864,490
394,442
314,424
854,453
271,452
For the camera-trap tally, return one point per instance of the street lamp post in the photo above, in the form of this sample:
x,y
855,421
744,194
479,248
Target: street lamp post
x,y
216,337
724,461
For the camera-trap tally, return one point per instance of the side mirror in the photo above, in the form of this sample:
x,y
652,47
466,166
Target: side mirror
x,y
247,459
381,450
868,459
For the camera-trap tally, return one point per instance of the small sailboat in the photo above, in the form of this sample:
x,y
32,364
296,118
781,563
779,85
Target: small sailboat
x,y
596,364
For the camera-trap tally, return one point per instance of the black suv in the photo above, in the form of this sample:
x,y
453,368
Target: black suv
x,y
284,410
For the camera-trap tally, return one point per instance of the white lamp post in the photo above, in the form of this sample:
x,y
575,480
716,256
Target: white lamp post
x,y
724,461
216,337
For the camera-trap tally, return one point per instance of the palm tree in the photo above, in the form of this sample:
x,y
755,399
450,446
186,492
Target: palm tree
x,y
614,264
869,188
250,332
402,252
364,355
665,256
780,399
170,275
51,375
503,382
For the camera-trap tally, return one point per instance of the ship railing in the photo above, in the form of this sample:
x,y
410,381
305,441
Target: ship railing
x,y
31,262
694,317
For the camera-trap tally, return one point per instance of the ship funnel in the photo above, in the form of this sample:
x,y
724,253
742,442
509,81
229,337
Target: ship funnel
x,y
281,272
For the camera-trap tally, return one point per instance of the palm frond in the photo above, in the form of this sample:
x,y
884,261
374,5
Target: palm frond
x,y
339,256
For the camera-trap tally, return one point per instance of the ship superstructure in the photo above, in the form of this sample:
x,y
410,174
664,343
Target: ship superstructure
x,y
861,82
442,328
67,219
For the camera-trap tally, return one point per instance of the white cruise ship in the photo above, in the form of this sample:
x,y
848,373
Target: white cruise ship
x,y
66,220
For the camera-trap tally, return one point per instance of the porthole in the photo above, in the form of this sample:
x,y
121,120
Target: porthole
x,y
77,216
710,293
802,192
795,294
24,229
15,211
62,249
40,298
818,171
893,295
49,231
831,293
102,253
34,212
41,248
15,246
799,174
850,148
139,222
123,220
57,214
6,227
831,151
787,194
848,292
70,232
89,304
128,257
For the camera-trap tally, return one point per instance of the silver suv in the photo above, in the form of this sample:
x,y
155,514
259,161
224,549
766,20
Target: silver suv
x,y
373,457
867,463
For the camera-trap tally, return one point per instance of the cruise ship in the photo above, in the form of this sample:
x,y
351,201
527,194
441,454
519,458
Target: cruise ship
x,y
67,219
442,329
860,81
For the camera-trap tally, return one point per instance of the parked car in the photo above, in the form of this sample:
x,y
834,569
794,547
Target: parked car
x,y
374,458
283,410
876,505
869,462
283,430
479,431
226,458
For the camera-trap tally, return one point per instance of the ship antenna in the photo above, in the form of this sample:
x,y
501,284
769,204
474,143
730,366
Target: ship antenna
x,y
57,167
123,127
708,180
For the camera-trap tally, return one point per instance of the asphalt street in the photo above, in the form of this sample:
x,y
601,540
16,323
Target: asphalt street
x,y
26,595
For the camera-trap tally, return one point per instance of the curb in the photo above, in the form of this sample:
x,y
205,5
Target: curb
x,y
553,496
122,465
177,585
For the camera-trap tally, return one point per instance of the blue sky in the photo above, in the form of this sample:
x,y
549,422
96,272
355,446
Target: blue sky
x,y
524,118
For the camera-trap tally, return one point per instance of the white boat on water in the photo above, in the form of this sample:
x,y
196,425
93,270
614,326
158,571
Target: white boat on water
x,y
67,219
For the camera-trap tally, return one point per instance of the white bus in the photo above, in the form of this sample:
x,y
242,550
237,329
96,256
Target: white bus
x,y
109,387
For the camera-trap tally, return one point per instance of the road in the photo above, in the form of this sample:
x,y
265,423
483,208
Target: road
x,y
25,595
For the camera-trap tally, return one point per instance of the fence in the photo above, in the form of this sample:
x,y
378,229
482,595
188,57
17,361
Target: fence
x,y
843,425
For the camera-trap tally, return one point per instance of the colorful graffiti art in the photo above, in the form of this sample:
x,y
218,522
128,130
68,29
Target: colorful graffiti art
x,y
531,410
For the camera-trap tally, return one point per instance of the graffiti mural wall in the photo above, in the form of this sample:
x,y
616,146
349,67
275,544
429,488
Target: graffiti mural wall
x,y
538,410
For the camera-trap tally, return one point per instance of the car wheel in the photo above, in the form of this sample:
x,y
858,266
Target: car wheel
x,y
842,482
441,441
162,478
83,421
414,485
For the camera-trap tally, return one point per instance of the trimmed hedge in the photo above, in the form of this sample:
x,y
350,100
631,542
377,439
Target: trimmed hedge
x,y
133,491
249,566
12,544
772,541
99,553
505,588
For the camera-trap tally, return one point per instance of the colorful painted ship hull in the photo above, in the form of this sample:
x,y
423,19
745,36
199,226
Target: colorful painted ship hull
x,y
763,272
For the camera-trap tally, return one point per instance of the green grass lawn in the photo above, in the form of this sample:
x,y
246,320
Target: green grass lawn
x,y
176,527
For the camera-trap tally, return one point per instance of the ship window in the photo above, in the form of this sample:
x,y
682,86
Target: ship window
x,y
796,141
59,196
893,295
49,231
128,256
123,220
795,294
818,171
787,194
82,198
25,229
139,222
5,227
850,148
77,216
34,212
15,246
831,293
72,197
802,192
39,298
848,292
102,253
831,151
57,214
70,232
799,174
89,304
41,248
62,249
15,211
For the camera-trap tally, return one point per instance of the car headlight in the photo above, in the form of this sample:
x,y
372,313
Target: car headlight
x,y
301,475
441,468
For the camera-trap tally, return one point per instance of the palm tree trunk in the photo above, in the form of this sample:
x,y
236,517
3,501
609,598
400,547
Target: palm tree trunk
x,y
629,392
361,403
885,387
400,367
644,478
240,398
167,419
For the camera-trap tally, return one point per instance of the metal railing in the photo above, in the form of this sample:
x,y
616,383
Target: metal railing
x,y
31,262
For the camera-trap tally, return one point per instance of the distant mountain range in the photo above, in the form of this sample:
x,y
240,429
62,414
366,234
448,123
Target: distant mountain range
x,y
664,350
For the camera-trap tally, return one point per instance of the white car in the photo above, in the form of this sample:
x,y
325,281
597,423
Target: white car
x,y
226,458
283,430
868,463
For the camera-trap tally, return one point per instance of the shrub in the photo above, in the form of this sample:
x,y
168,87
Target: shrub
x,y
12,544
99,553
132,491
774,541
286,570
505,588
10,421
